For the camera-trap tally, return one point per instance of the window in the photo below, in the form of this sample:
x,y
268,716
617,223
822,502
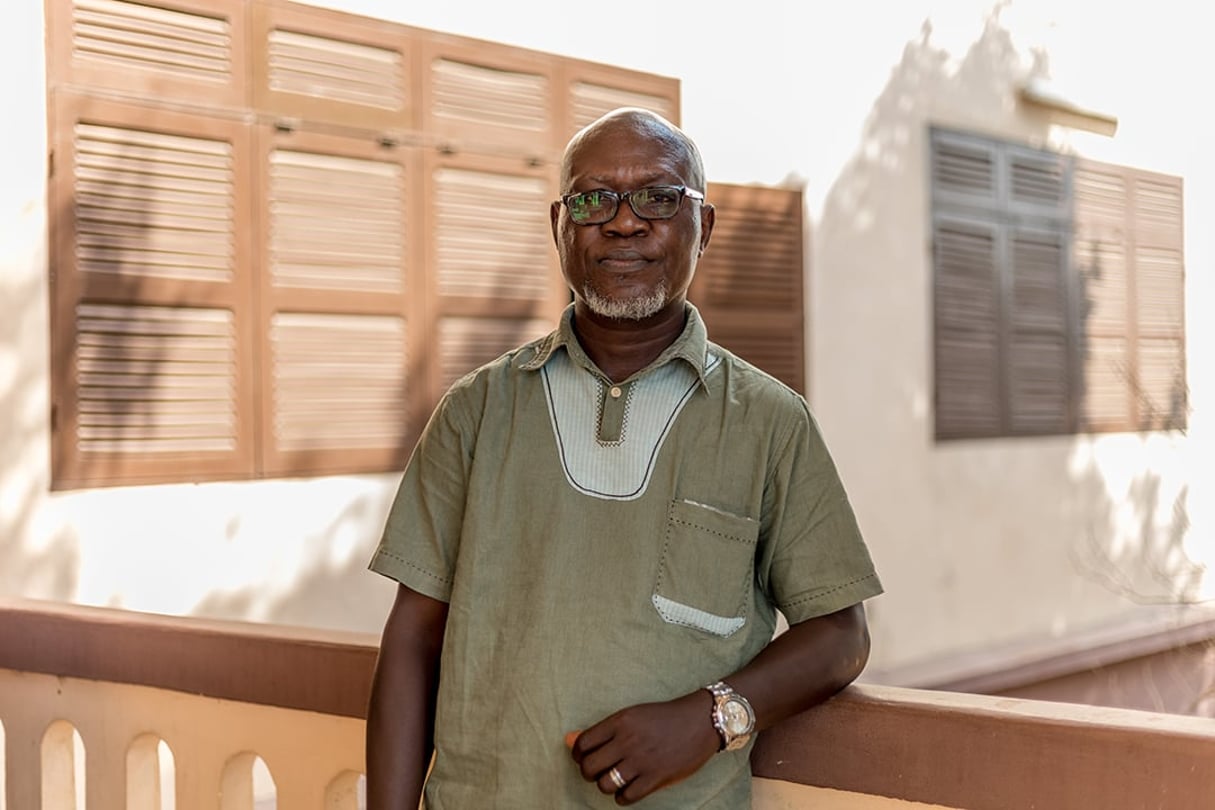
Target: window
x,y
268,254
1058,293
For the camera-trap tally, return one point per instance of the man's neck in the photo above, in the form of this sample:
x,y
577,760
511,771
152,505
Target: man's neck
x,y
621,348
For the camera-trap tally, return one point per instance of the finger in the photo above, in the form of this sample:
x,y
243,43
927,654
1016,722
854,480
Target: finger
x,y
596,764
571,738
614,779
591,740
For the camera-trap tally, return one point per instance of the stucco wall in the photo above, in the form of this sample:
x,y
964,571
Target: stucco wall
x,y
977,542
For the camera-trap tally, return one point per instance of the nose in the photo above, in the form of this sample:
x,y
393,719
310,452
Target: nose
x,y
626,222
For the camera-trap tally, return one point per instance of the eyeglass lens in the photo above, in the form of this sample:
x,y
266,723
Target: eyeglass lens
x,y
599,206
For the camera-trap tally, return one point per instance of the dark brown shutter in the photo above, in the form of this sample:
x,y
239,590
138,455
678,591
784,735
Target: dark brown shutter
x,y
1129,256
1036,295
967,246
152,322
1037,340
748,285
966,321
1003,312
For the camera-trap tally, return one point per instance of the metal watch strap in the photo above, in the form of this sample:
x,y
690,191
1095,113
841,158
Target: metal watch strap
x,y
722,691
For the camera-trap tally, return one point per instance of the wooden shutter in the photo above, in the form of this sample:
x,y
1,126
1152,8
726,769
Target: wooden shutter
x,y
967,247
1037,313
184,49
151,327
1002,297
319,66
340,261
966,320
749,283
394,181
340,257
1129,256
1037,354
480,97
592,90
494,279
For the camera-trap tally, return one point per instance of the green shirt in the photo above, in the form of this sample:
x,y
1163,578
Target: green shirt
x,y
605,545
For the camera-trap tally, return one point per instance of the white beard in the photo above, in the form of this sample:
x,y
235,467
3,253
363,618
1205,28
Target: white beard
x,y
630,309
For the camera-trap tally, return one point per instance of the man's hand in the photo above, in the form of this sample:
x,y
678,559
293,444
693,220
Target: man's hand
x,y
650,746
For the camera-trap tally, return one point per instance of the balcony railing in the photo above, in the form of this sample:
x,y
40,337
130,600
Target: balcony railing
x,y
110,710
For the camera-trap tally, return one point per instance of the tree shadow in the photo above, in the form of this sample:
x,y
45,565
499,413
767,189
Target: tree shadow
x,y
29,564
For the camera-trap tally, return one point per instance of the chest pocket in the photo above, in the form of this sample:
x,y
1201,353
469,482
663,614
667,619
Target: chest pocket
x,y
707,571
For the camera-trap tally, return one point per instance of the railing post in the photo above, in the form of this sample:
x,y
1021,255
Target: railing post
x,y
22,751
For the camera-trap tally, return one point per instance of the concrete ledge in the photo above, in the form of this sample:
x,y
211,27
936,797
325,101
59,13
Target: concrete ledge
x,y
271,665
988,753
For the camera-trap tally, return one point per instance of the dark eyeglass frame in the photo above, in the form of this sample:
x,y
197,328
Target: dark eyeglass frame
x,y
616,197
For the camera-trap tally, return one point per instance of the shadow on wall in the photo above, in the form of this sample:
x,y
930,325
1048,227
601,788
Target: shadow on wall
x,y
29,565
872,309
332,590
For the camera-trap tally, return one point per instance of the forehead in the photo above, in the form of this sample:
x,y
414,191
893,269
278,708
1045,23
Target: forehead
x,y
624,152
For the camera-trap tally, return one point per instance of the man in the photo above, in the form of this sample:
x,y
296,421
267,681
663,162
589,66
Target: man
x,y
596,530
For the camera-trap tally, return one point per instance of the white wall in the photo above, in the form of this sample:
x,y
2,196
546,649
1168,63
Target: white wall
x,y
977,542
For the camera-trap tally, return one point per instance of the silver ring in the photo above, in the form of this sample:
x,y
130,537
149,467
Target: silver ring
x,y
617,779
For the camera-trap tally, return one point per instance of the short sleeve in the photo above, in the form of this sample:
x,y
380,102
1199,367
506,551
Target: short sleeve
x,y
813,560
422,532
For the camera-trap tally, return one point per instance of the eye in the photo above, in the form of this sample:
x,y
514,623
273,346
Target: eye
x,y
661,196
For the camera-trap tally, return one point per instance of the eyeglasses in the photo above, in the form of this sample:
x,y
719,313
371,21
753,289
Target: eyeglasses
x,y
600,206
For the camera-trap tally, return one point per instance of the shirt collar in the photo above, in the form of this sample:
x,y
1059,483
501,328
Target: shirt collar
x,y
692,346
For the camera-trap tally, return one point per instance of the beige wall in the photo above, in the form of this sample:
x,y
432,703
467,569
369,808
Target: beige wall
x,y
978,542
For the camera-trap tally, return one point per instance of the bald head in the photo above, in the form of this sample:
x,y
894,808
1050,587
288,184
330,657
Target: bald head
x,y
642,122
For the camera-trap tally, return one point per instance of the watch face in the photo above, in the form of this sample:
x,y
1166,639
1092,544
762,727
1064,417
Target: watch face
x,y
737,718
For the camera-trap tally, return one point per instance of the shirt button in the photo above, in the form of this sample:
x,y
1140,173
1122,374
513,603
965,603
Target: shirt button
x,y
615,392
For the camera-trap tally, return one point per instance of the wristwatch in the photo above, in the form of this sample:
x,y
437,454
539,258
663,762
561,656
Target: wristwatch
x,y
733,716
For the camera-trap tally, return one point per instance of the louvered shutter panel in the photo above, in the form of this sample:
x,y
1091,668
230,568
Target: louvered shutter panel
x,y
1100,244
339,288
151,296
316,65
1003,300
749,283
149,49
967,297
1156,208
592,90
488,98
495,281
1037,298
1129,251
966,328
1037,339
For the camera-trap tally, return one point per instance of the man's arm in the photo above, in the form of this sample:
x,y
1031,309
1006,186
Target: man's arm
x,y
658,744
400,715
